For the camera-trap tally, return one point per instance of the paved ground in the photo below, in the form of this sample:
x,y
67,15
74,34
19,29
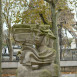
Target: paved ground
x,y
69,75
12,76
65,75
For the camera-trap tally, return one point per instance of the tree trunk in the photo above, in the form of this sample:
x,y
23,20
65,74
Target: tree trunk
x,y
8,21
10,49
76,42
0,35
56,42
9,44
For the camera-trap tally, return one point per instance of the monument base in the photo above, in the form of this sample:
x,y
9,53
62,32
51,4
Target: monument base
x,y
47,71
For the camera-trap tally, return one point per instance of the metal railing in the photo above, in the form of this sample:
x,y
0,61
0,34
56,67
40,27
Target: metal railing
x,y
69,55
6,58
66,55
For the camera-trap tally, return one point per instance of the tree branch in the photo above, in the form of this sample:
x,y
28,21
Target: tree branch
x,y
53,2
43,19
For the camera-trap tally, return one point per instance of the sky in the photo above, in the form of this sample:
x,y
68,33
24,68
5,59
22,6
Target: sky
x,y
4,26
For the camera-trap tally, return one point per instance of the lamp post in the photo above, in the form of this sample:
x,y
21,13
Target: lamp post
x,y
60,38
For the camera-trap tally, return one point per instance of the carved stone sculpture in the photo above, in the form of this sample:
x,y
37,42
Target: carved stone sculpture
x,y
37,49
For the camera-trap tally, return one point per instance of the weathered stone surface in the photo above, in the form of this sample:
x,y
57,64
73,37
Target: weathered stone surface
x,y
37,56
47,71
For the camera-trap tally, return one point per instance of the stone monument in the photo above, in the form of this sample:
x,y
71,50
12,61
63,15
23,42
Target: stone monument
x,y
37,55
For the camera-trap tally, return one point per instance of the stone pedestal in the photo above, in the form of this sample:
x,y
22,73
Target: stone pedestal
x,y
37,55
47,71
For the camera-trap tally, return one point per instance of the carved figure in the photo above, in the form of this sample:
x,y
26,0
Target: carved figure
x,y
37,46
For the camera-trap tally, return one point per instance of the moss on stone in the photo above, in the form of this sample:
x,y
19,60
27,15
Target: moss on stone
x,y
43,29
25,26
48,33
56,69
45,73
19,52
